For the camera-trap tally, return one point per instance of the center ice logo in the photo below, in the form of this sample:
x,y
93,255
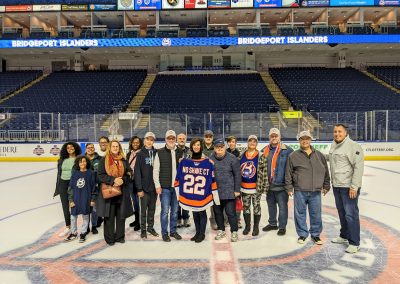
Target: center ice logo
x,y
166,42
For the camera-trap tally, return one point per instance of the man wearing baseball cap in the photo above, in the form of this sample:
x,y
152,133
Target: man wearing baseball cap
x,y
307,175
271,179
145,185
164,173
228,177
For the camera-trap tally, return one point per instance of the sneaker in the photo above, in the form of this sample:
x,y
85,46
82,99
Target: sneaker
x,y
317,240
176,236
82,238
166,238
281,232
339,240
179,223
65,233
200,238
71,237
133,224
234,237
269,228
186,223
221,234
153,232
143,234
301,240
122,241
352,249
195,237
94,230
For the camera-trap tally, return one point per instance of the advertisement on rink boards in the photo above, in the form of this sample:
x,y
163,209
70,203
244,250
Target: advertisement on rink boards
x,y
2,9
387,2
384,151
44,8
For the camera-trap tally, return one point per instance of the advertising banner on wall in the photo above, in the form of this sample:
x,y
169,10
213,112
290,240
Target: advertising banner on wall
x,y
387,3
267,3
147,4
195,4
126,5
102,7
74,7
173,4
352,2
37,8
2,9
19,8
241,3
219,4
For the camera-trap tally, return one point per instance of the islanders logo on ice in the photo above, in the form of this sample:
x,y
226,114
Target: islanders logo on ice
x,y
166,42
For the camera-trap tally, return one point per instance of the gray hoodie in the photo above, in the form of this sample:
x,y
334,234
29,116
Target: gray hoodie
x,y
347,164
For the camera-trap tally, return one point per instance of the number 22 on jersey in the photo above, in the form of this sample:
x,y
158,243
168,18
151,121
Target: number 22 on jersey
x,y
192,184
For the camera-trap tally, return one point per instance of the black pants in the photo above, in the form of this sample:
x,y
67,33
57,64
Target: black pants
x,y
230,208
182,214
63,189
200,221
114,225
147,210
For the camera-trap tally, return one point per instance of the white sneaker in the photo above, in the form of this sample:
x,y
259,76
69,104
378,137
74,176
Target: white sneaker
x,y
221,234
339,240
352,249
65,233
234,237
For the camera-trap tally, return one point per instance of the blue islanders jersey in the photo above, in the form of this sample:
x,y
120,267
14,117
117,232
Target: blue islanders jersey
x,y
196,182
248,170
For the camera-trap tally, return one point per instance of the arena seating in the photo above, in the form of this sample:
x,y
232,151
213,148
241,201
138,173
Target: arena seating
x,y
80,92
334,90
221,93
12,81
389,74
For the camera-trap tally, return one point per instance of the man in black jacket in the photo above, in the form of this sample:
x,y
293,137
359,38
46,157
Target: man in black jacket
x,y
182,152
145,185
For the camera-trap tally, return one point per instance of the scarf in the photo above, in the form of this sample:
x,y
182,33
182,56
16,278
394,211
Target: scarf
x,y
274,159
132,159
114,166
197,156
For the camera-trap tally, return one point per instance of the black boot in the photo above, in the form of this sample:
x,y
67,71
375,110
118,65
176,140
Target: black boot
x,y
247,220
256,230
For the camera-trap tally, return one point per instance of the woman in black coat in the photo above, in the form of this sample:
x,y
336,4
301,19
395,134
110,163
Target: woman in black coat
x,y
113,169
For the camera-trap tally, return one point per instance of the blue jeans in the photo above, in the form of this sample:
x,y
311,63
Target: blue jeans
x,y
169,208
348,214
312,200
279,198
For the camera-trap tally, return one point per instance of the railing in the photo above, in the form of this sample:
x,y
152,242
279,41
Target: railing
x,y
42,127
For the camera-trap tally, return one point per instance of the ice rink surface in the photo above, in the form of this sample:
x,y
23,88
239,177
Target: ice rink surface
x,y
32,252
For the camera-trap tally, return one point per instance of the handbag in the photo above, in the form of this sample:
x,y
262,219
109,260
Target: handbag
x,y
239,204
109,191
